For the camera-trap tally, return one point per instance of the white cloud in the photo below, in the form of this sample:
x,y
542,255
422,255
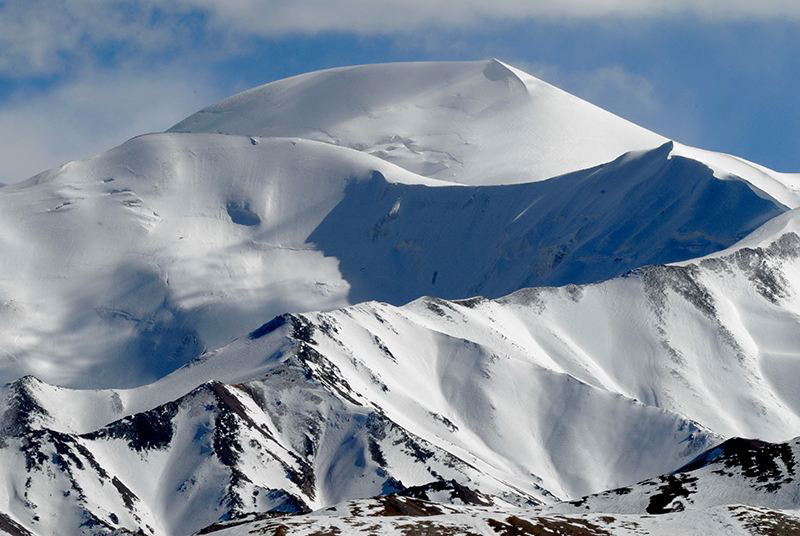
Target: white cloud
x,y
44,36
269,17
610,86
92,114
37,35
630,95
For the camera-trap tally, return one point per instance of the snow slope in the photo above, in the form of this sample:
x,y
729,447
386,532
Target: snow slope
x,y
122,267
480,122
140,259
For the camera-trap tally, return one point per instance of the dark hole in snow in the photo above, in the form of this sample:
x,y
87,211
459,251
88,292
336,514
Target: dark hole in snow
x,y
241,213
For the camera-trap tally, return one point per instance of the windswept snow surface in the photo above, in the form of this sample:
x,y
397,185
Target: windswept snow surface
x,y
480,122
477,123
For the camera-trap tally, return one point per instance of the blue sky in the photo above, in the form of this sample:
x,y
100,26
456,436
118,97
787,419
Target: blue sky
x,y
80,76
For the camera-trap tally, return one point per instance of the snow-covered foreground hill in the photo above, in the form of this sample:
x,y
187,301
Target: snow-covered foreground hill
x,y
208,327
402,517
741,487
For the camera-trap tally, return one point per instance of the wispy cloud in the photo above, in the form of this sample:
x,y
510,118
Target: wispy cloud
x,y
267,17
92,113
43,36
631,95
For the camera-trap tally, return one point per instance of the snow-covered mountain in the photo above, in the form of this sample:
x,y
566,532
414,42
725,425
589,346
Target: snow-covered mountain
x,y
480,122
172,244
358,283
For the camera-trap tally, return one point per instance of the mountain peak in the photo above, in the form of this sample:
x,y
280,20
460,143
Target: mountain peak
x,y
479,122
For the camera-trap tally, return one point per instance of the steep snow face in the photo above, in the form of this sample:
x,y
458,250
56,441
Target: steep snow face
x,y
396,242
142,258
470,122
782,187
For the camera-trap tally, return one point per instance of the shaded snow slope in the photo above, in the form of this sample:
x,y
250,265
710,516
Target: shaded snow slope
x,y
121,268
788,222
480,122
782,187
642,208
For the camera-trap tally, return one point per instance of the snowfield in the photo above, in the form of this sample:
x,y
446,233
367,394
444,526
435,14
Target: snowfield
x,y
481,122
402,297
